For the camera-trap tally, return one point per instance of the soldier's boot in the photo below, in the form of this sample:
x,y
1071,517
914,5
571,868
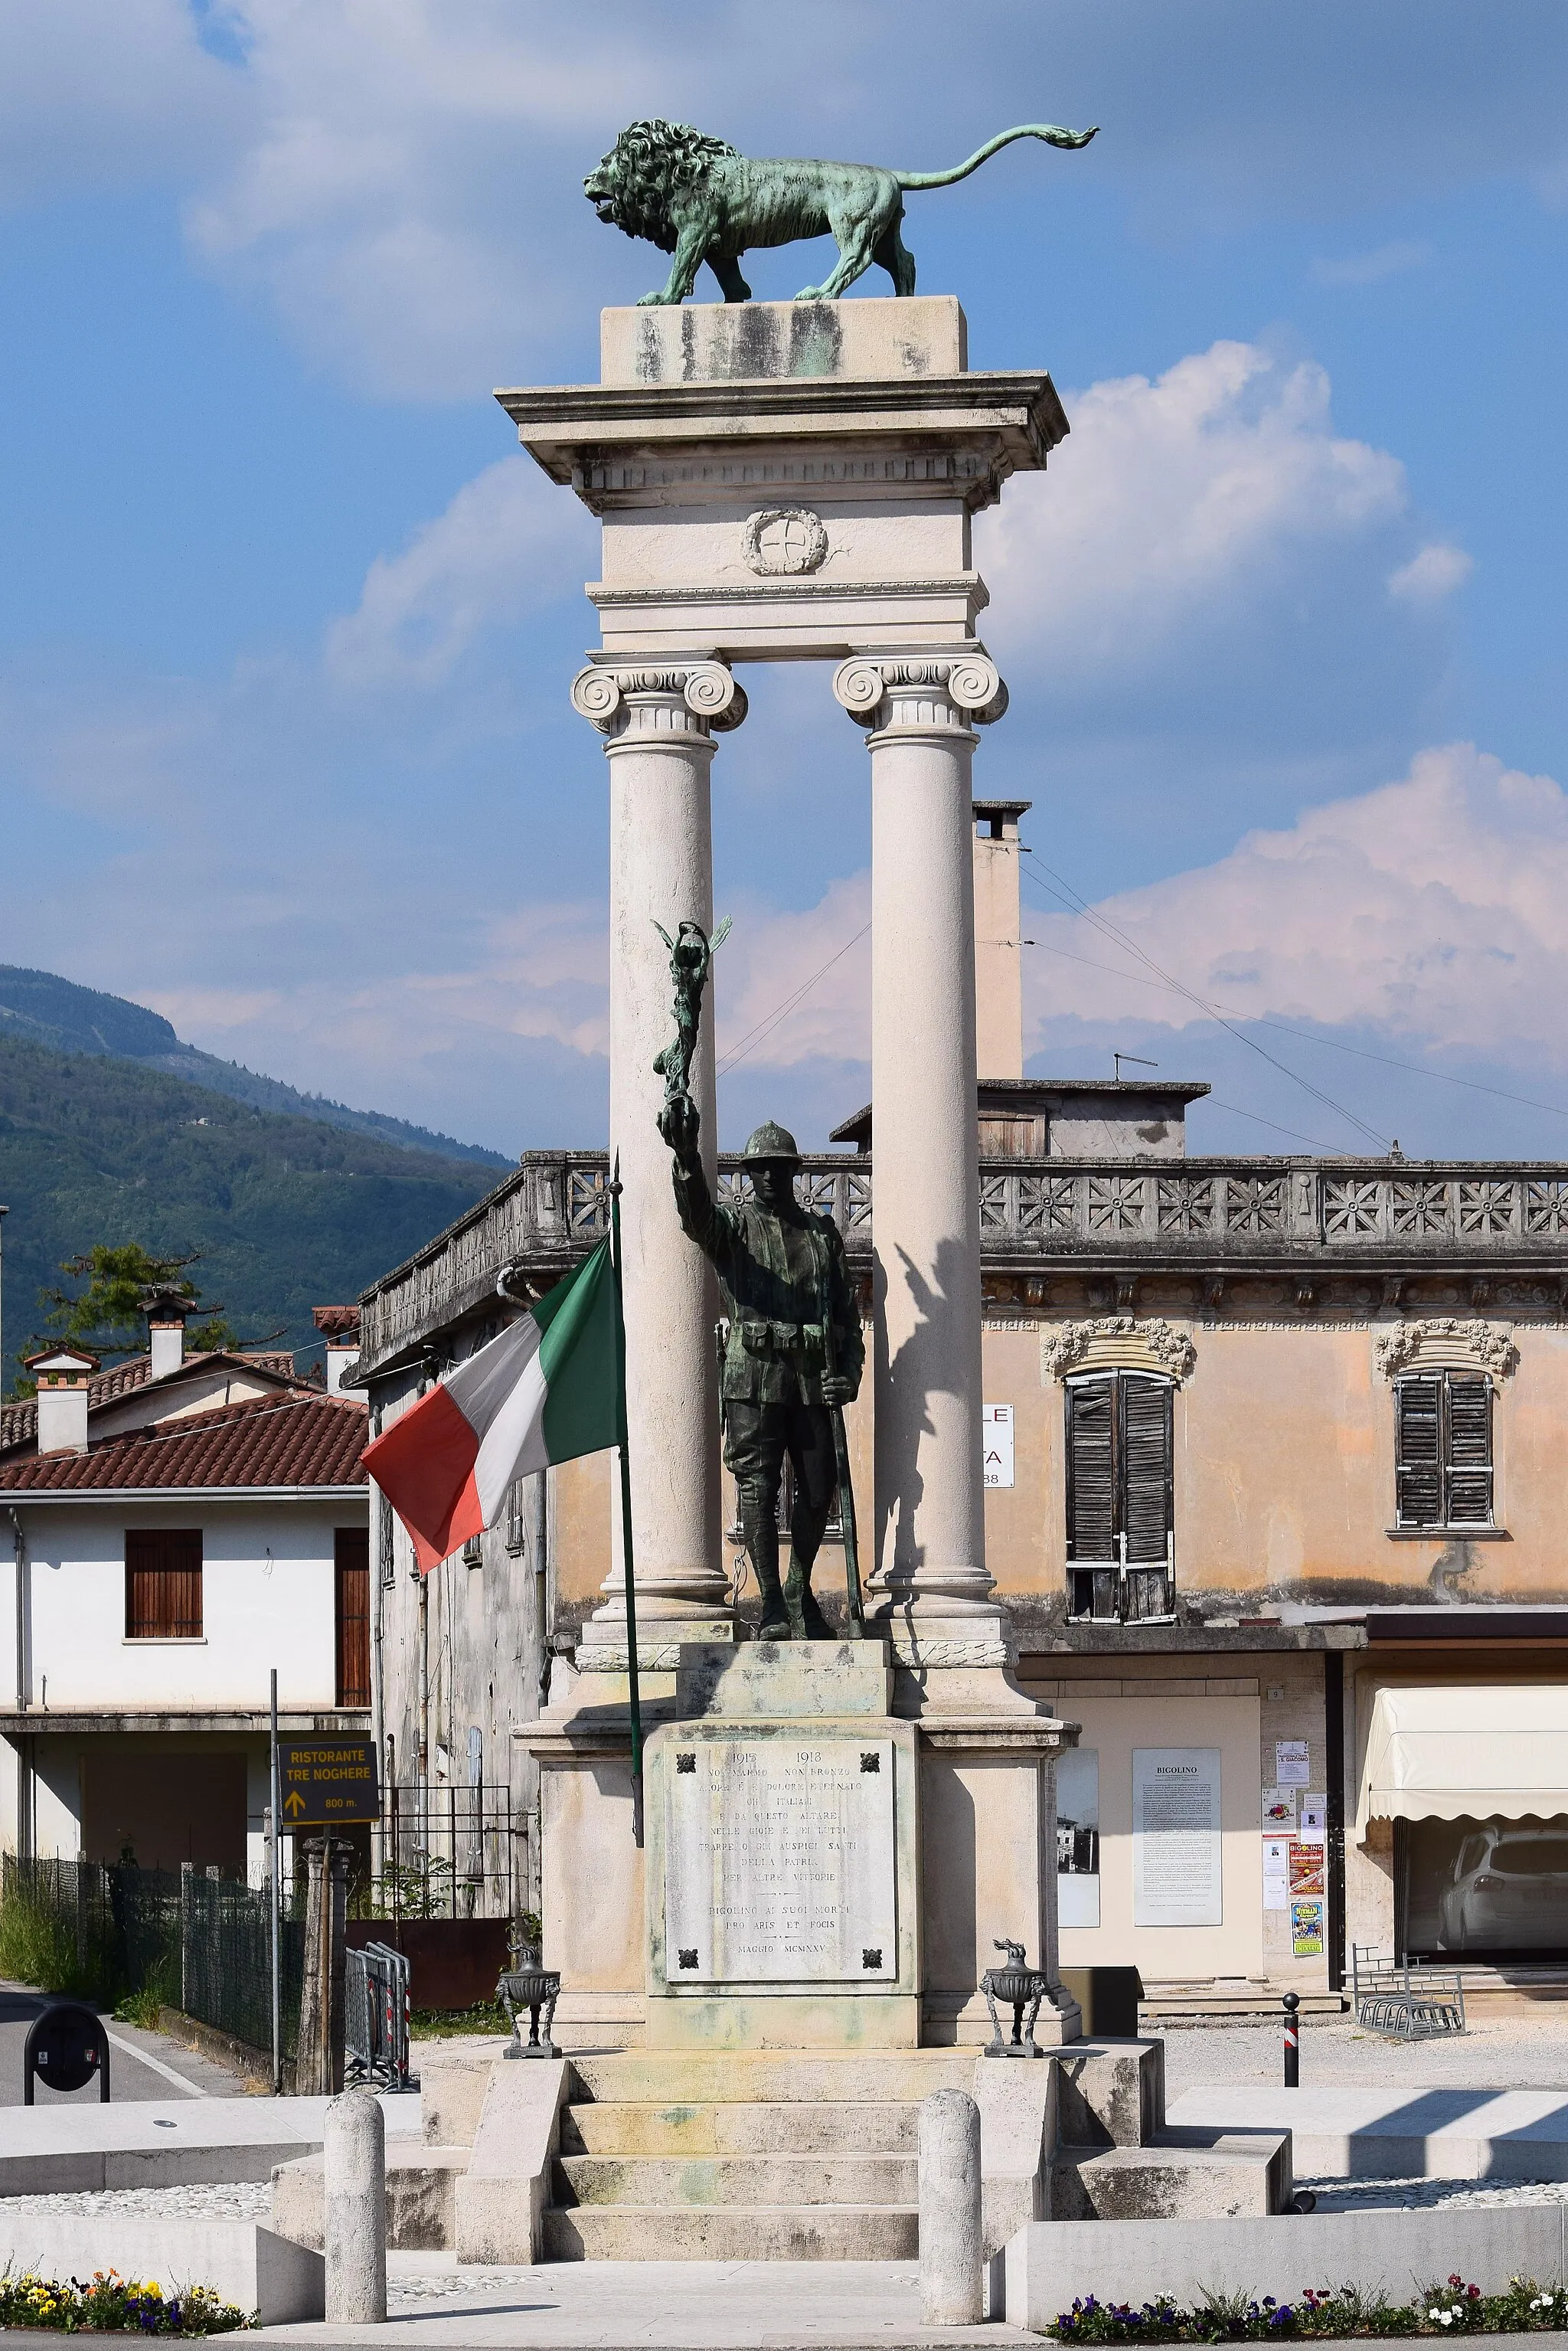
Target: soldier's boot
x,y
759,1526
806,1527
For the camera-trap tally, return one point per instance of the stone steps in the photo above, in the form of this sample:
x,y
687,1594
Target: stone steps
x,y
755,2181
751,2076
732,2232
778,2127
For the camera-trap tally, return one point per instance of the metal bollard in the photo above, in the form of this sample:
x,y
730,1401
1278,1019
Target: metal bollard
x,y
1292,2043
355,2166
951,2268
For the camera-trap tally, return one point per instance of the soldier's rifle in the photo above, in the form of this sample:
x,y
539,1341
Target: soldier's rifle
x,y
841,1447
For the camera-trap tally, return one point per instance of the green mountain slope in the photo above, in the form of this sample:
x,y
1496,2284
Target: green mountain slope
x,y
41,1008
287,1213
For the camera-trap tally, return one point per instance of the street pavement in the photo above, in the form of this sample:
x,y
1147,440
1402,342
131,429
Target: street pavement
x,y
141,2066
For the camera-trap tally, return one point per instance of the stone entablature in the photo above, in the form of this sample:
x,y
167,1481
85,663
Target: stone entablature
x,y
1303,1218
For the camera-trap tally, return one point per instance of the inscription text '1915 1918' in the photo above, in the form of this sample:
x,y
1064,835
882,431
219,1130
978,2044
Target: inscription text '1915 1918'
x,y
779,1862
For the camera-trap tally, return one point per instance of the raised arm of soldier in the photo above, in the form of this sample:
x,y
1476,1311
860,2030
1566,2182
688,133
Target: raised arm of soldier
x,y
702,1219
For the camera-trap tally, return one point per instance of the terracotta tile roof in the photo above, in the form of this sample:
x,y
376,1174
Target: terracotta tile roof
x,y
19,1421
296,1439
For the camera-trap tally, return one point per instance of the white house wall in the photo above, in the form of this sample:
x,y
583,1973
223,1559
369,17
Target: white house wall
x,y
267,1599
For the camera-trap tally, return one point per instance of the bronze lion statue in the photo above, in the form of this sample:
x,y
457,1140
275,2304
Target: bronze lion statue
x,y
702,200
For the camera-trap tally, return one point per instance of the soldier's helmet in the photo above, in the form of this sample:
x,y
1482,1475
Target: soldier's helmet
x,y
771,1141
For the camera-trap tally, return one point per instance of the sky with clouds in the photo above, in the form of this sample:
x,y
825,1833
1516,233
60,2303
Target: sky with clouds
x,y
286,625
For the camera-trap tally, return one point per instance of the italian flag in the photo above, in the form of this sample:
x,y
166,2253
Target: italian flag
x,y
547,1389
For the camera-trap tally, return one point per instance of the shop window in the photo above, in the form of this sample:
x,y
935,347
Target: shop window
x,y
1119,1528
1443,1472
351,1573
1490,1890
164,1584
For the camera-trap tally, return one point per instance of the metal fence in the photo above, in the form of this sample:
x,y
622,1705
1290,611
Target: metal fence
x,y
196,1942
448,1851
225,1959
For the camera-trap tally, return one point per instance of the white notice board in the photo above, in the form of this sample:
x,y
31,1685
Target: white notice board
x,y
1176,1837
996,1443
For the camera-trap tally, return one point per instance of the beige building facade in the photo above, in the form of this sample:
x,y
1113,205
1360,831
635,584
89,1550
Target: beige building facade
x,y
1272,1456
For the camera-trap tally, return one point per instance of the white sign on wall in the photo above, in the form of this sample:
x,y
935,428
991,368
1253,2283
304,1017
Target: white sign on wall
x,y
1176,1837
1276,1872
1078,1837
996,1443
1292,1766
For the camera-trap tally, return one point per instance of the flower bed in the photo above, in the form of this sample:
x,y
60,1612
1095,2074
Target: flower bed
x,y
109,2303
1454,2308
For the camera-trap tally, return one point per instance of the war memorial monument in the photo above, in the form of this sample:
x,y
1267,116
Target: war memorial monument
x,y
838,1896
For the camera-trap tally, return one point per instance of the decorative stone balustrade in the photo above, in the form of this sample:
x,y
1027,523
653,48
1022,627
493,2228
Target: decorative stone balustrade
x,y
1220,1215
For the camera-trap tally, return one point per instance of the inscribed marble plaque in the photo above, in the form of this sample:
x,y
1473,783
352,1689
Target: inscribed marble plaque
x,y
779,1862
1176,1837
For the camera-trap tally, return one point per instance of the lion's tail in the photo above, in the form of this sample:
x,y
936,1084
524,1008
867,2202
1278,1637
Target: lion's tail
x,y
1052,132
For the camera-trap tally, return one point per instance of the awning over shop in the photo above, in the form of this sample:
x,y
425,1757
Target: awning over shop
x,y
1462,1750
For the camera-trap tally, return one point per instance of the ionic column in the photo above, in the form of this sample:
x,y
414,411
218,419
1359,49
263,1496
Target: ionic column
x,y
930,1515
658,722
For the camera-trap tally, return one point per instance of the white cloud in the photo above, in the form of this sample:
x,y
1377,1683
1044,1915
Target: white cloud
x,y
766,964
1429,909
1430,575
109,93
1371,268
1177,499
510,541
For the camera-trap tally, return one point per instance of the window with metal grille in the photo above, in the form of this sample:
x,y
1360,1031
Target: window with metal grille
x,y
1443,1464
1120,1520
164,1584
351,1575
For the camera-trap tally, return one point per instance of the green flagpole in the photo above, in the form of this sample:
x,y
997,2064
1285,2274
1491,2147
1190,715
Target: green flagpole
x,y
635,1692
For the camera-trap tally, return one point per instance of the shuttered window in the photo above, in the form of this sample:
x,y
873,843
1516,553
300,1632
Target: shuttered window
x,y
352,1570
1443,1464
1119,1507
164,1584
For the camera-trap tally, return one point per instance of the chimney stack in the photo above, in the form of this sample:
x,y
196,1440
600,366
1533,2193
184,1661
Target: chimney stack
x,y
62,1375
340,1325
998,946
165,1310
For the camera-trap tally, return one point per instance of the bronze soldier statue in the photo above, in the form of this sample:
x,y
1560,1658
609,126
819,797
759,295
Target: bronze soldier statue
x,y
789,1304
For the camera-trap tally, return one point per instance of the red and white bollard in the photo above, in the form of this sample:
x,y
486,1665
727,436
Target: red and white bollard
x,y
1292,2043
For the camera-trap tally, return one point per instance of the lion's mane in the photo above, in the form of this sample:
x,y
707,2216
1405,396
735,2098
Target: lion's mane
x,y
648,164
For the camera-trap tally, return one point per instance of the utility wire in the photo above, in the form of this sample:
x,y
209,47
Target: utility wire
x,y
1068,897
1308,1035
764,1028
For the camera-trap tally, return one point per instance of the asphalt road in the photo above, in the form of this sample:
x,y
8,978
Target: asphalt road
x,y
141,2066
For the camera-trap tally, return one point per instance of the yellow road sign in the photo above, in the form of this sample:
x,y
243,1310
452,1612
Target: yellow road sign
x,y
327,1781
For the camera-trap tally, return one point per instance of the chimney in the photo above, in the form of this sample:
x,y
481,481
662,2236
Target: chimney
x,y
341,1327
165,1310
62,1375
999,948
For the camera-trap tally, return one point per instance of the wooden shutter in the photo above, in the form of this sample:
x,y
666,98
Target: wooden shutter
x,y
351,1569
1469,1450
1145,1481
164,1584
1418,1457
1090,1470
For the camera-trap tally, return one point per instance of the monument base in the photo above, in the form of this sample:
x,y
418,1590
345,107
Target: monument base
x,y
834,1846
786,2021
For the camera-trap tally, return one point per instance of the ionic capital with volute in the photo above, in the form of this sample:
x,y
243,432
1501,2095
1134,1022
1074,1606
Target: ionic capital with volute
x,y
632,701
921,690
